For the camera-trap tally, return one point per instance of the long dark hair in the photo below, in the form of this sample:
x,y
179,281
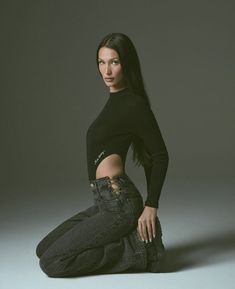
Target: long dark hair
x,y
133,79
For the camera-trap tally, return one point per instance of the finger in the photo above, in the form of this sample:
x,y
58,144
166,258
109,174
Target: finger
x,y
149,228
144,232
139,233
140,230
154,227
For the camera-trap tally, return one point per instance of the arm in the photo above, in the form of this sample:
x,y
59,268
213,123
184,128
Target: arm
x,y
143,124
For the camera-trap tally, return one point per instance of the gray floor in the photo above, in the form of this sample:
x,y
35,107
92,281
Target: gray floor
x,y
198,224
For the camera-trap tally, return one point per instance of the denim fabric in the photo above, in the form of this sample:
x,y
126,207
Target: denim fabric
x,y
100,239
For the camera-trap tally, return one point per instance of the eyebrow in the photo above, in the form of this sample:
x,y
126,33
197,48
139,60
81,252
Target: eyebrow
x,y
110,58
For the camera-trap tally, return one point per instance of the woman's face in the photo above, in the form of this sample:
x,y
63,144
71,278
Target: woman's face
x,y
110,67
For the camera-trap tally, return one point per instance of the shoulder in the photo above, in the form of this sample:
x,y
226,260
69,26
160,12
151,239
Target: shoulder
x,y
138,105
141,113
136,101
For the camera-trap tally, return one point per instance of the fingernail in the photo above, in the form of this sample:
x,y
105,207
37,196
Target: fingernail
x,y
150,240
143,240
146,241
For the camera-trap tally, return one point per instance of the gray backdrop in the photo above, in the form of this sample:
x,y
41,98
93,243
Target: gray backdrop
x,y
51,91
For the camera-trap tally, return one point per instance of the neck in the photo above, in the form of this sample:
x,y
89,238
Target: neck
x,y
119,92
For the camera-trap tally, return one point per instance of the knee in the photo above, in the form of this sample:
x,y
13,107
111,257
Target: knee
x,y
39,250
52,267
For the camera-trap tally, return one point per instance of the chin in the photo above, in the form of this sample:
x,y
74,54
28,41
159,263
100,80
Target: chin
x,y
109,84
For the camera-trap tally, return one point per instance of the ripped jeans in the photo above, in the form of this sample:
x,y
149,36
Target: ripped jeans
x,y
100,239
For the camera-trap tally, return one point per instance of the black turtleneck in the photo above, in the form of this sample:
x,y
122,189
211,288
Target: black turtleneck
x,y
124,116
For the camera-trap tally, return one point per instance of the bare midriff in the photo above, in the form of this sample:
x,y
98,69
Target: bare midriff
x,y
110,166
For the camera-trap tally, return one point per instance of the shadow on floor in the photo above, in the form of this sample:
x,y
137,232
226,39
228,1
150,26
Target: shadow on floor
x,y
200,252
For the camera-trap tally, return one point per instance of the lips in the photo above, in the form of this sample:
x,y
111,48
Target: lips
x,y
109,78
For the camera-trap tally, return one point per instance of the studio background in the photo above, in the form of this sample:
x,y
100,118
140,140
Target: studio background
x,y
51,91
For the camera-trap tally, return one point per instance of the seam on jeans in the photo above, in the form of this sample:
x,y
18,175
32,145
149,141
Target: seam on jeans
x,y
99,236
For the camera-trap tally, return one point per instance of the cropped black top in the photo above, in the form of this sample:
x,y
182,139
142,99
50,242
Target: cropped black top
x,y
126,115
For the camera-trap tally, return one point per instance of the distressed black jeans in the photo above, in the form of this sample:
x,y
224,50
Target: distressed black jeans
x,y
100,239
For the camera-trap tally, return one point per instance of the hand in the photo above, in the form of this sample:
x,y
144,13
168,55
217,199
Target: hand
x,y
146,224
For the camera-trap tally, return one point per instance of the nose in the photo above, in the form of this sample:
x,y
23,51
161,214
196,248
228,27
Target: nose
x,y
107,70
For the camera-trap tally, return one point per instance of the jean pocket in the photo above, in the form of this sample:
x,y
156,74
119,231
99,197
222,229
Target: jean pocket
x,y
136,205
112,205
133,193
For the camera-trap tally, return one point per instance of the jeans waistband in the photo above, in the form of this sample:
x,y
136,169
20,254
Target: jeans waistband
x,y
102,185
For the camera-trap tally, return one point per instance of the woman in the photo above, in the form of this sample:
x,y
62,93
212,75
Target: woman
x,y
118,233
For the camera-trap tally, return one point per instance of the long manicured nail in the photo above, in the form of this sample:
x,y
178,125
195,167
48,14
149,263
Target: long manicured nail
x,y
150,240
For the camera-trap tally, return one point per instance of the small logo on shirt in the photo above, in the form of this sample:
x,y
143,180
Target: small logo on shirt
x,y
96,160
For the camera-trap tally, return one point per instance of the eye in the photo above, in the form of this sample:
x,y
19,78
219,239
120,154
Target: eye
x,y
114,61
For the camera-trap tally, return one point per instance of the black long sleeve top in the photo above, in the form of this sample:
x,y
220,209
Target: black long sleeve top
x,y
126,115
